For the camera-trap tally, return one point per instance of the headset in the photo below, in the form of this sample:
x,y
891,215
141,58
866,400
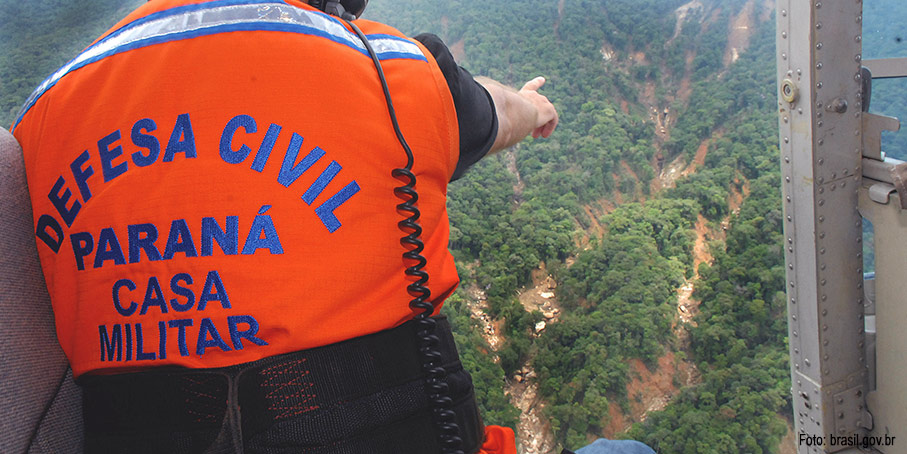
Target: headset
x,y
436,384
345,9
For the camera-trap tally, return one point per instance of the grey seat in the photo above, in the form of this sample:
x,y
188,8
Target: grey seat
x,y
40,406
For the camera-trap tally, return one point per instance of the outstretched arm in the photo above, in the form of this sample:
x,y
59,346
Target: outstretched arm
x,y
520,113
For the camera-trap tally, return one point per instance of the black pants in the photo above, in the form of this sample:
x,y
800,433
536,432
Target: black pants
x,y
361,396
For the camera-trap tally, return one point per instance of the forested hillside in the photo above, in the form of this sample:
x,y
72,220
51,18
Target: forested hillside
x,y
623,278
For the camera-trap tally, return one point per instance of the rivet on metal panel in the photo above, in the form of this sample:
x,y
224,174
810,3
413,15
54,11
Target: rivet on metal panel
x,y
818,45
784,13
791,249
818,25
857,58
820,123
826,373
843,184
821,161
822,251
784,35
860,344
799,72
859,270
784,55
822,282
834,175
795,334
825,342
787,159
822,267
821,234
860,317
791,283
793,301
790,240
860,18
819,104
858,38
824,297
789,219
825,328
833,187
800,110
821,180
859,393
821,202
787,140
840,400
818,5
790,73
786,119
821,142
859,240
791,266
806,361
819,65
821,218
859,284
821,190
824,312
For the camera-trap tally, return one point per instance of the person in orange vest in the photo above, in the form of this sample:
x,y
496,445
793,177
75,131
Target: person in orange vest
x,y
217,188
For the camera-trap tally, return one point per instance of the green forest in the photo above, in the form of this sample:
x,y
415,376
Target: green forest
x,y
662,175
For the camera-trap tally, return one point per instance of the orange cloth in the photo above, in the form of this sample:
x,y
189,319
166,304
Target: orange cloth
x,y
204,198
498,440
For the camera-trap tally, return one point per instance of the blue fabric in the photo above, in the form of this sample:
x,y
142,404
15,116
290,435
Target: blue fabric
x,y
605,446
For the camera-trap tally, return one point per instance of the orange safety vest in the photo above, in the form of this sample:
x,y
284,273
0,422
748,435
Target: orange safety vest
x,y
204,198
211,183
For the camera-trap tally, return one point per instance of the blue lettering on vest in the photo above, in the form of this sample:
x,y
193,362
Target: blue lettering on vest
x,y
227,153
108,155
213,282
290,172
325,211
45,222
81,175
59,202
237,335
137,242
125,312
262,225
82,245
111,343
108,249
140,355
185,292
227,238
181,334
267,144
322,182
162,339
179,240
145,141
205,329
182,140
154,296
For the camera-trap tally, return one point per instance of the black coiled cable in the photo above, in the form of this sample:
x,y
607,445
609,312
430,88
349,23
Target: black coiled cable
x,y
436,376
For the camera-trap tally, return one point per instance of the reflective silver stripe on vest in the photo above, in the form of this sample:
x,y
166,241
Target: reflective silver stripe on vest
x,y
222,17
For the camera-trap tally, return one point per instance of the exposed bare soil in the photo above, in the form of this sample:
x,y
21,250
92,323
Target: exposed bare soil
x,y
534,430
741,28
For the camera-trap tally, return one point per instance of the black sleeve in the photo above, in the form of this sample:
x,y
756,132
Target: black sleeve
x,y
476,116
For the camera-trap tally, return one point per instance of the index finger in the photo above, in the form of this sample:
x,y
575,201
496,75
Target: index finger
x,y
534,84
